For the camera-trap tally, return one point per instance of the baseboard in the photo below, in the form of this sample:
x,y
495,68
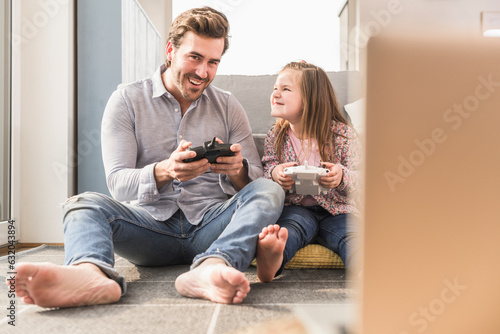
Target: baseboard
x,y
24,245
4,229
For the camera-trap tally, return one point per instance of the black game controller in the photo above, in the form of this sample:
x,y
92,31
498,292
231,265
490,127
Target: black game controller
x,y
211,150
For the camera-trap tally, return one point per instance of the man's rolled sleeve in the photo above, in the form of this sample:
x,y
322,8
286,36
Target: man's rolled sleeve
x,y
226,185
148,192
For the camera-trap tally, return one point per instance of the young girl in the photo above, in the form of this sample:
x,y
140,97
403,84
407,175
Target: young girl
x,y
309,127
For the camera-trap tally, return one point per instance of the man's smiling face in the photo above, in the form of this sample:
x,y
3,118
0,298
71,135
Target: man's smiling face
x,y
193,66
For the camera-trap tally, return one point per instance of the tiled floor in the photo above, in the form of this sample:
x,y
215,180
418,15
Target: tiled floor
x,y
152,305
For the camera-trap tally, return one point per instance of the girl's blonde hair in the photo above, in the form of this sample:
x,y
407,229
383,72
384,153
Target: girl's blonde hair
x,y
320,109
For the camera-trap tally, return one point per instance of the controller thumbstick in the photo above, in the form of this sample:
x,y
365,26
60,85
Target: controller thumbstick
x,y
212,143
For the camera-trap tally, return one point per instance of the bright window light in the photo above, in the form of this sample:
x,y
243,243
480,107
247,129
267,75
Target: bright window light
x,y
490,22
492,33
268,34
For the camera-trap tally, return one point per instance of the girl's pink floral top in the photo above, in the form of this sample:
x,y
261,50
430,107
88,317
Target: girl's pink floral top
x,y
344,198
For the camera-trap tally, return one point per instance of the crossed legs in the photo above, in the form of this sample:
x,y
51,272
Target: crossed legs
x,y
88,277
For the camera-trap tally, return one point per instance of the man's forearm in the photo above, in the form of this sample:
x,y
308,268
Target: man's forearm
x,y
241,179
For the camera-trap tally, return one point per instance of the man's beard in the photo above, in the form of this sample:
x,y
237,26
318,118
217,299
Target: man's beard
x,y
190,93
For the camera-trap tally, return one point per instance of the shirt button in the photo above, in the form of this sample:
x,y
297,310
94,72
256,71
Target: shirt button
x,y
176,110
180,136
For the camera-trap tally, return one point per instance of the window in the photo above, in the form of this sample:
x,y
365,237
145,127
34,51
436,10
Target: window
x,y
266,35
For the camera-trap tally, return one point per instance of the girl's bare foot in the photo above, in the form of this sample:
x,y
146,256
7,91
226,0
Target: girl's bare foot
x,y
270,247
215,281
50,285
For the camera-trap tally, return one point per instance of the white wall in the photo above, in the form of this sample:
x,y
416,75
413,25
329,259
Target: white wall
x,y
424,16
458,15
43,107
160,13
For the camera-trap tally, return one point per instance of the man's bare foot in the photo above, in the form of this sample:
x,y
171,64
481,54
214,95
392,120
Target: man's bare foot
x,y
215,281
50,285
270,247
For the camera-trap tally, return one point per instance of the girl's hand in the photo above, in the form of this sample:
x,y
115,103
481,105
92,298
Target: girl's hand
x,y
333,178
278,175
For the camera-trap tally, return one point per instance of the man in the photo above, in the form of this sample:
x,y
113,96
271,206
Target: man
x,y
165,211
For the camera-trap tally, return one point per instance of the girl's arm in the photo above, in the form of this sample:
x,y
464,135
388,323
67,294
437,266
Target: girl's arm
x,y
270,158
349,155
345,174
272,168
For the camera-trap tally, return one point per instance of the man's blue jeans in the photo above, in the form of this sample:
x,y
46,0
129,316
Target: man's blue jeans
x,y
97,226
314,224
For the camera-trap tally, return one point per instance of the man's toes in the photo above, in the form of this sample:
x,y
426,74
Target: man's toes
x,y
241,294
21,293
234,278
236,300
26,270
27,300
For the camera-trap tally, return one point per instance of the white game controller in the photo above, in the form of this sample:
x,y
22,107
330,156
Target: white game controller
x,y
306,179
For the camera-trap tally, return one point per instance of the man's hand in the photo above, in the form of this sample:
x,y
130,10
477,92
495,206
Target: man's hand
x,y
278,175
232,166
174,168
229,165
333,178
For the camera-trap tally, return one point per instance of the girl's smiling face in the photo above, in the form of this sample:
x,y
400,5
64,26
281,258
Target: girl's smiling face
x,y
286,99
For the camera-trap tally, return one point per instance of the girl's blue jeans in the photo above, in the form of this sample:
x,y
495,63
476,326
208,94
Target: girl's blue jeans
x,y
314,224
97,226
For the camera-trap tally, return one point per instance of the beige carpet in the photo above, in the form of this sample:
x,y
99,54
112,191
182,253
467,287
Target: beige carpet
x,y
152,305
